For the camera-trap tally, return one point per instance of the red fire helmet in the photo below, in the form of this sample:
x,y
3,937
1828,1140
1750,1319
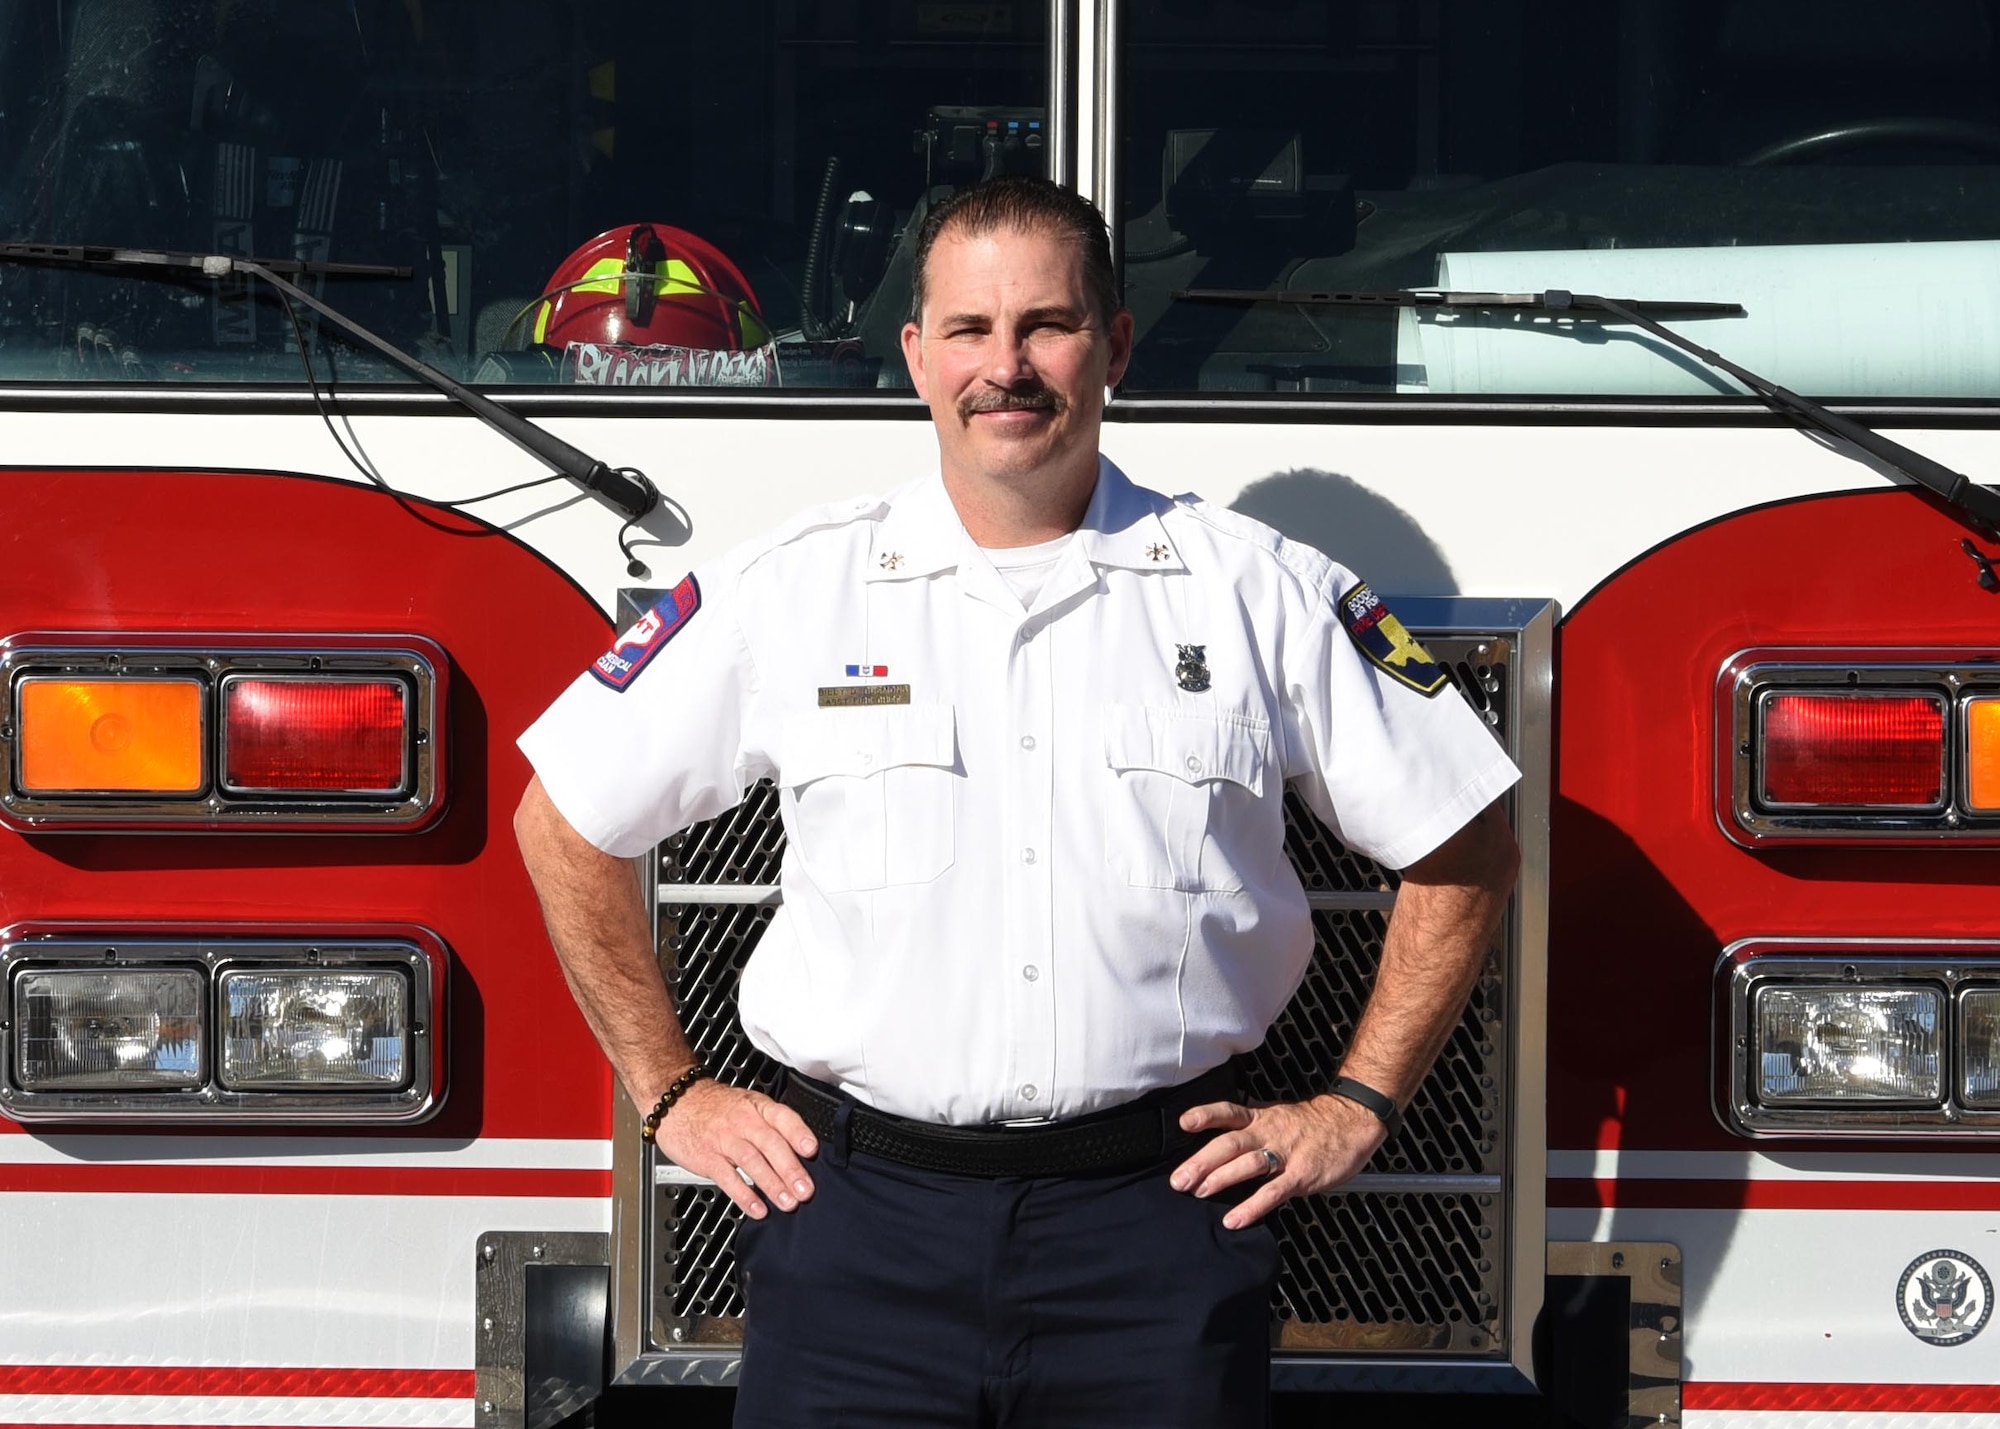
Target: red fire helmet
x,y
648,285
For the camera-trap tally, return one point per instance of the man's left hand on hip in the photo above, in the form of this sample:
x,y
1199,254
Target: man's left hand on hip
x,y
1294,1148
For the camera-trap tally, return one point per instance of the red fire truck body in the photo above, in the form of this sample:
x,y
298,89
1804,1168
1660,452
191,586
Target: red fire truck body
x,y
298,1123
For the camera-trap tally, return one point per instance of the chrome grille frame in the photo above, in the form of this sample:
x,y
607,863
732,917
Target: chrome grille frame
x,y
1444,1300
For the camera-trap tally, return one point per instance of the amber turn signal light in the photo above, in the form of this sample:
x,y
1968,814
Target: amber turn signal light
x,y
1982,755
119,736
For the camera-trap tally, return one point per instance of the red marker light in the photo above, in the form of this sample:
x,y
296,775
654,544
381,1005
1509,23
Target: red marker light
x,y
329,734
1851,750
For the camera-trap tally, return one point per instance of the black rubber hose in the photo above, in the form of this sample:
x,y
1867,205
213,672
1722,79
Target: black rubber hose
x,y
811,322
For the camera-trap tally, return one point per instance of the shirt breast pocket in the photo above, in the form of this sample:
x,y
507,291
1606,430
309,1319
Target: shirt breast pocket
x,y
1183,806
867,794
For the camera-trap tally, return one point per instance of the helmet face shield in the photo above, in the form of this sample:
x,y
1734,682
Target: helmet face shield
x,y
645,305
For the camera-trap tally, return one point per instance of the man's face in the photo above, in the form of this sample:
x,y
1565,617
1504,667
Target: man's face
x,y
1011,355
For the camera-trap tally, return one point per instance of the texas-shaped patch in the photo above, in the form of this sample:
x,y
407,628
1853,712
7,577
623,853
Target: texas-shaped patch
x,y
621,664
1379,636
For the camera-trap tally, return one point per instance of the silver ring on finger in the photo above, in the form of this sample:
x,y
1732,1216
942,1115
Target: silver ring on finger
x,y
1273,1162
746,1177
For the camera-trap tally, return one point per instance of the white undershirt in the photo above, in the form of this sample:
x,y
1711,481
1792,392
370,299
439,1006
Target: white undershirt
x,y
1025,568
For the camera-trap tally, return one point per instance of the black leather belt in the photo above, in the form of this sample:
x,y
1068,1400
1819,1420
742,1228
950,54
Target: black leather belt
x,y
1125,1138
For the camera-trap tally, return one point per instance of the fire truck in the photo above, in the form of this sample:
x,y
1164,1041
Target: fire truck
x,y
367,367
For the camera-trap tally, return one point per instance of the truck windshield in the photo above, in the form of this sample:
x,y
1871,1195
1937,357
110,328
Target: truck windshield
x,y
725,196
1828,164
611,193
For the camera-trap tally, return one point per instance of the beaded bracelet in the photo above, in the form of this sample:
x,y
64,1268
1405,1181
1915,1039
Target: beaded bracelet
x,y
672,1094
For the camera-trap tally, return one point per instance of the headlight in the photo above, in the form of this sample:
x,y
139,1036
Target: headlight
x,y
315,1029
111,1030
1850,1044
200,1026
1858,1037
1979,1056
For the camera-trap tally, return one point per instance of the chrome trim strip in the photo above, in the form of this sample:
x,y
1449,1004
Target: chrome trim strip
x,y
632,1160
1108,183
753,895
1359,900
1954,964
1061,105
413,1101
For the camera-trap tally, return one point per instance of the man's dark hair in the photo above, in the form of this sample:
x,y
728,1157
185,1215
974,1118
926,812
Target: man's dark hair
x,y
1022,204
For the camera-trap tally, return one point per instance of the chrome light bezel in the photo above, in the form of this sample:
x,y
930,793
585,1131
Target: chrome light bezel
x,y
413,954
1952,966
1750,678
417,664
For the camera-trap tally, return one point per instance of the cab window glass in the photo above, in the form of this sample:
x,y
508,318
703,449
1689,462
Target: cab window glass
x,y
611,193
1831,166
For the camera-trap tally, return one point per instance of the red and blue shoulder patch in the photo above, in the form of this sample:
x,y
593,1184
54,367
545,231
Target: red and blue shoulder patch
x,y
620,665
1386,645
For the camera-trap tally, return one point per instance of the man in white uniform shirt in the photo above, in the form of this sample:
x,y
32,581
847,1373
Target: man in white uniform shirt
x,y
1032,727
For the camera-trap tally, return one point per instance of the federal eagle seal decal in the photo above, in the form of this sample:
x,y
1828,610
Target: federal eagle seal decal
x,y
1945,1297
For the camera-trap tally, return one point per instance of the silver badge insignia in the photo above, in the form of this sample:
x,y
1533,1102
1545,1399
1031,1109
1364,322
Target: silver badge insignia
x,y
1191,667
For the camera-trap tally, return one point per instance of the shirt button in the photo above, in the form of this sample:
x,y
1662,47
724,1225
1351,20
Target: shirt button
x,y
1029,1092
864,759
1027,741
1193,765
1031,972
1027,855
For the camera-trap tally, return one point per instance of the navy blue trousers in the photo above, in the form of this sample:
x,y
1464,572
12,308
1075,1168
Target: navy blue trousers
x,y
898,1297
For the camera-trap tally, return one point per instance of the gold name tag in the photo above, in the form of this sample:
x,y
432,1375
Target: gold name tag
x,y
832,696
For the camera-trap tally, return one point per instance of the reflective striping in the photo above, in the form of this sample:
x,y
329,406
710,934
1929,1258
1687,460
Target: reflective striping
x,y
490,1152
312,1381
1755,1166
90,1411
1775,1195
1831,1419
1899,1399
297,1180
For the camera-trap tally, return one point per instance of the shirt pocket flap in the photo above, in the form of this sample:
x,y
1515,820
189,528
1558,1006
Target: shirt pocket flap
x,y
1196,748
864,741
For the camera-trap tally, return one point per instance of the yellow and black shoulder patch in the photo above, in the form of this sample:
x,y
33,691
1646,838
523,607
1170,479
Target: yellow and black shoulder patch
x,y
1381,638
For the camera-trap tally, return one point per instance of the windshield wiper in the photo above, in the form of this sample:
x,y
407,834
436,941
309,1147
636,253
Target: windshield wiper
x,y
1978,503
627,489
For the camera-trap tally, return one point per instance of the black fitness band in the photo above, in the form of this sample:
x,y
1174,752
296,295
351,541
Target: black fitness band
x,y
1361,1094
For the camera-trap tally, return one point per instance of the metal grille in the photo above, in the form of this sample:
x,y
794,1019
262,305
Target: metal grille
x,y
1384,1267
1453,1125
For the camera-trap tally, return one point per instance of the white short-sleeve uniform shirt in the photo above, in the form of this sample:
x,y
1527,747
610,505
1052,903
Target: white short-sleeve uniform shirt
x,y
1035,857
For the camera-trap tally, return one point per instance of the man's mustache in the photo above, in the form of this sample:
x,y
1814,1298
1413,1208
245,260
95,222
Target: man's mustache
x,y
1012,399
